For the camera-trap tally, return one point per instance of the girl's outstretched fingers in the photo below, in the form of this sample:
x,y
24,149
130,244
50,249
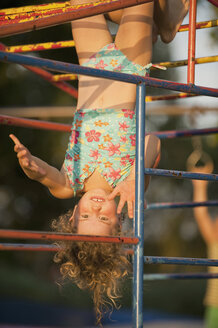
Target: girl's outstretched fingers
x,y
31,165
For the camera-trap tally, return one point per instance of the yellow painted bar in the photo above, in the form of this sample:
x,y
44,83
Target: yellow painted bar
x,y
200,25
29,9
43,11
64,77
41,46
178,63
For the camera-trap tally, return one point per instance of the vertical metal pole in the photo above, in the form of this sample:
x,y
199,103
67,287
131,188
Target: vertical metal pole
x,y
191,42
139,209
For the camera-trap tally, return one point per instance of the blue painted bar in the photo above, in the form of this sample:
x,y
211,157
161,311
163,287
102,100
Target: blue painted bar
x,y
181,174
179,261
184,133
176,276
157,206
64,67
138,260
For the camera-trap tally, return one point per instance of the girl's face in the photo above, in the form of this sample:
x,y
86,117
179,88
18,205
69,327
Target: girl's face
x,y
95,214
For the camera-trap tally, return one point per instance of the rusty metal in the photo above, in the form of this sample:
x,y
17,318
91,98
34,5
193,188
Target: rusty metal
x,y
37,235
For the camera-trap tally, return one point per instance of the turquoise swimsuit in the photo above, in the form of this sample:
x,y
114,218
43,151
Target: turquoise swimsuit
x,y
103,139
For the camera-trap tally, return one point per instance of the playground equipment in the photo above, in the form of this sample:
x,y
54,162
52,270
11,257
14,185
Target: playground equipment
x,y
13,21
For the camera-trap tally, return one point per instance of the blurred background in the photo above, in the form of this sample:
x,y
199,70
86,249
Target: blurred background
x,y
29,290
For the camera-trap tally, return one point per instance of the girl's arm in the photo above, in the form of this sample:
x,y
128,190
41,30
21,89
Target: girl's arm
x,y
126,188
202,216
36,169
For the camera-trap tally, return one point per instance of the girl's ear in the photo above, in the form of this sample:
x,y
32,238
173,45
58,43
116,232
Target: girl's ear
x,y
72,218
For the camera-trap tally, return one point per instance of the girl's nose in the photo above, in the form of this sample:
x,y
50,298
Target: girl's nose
x,y
96,207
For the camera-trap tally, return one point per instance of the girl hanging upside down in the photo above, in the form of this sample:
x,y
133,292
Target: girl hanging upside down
x,y
100,159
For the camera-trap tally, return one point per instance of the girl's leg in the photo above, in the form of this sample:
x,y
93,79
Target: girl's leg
x,y
168,16
90,34
134,36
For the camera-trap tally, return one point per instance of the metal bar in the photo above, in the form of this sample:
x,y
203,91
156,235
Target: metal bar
x,y
184,62
72,13
44,235
33,8
135,79
36,124
179,261
175,276
191,42
200,25
40,46
48,77
139,209
185,133
181,174
157,206
39,124
28,247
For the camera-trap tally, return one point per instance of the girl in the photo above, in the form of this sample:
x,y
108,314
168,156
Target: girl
x,y
99,162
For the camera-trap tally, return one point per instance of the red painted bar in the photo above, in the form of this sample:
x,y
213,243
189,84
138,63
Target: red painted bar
x,y
73,14
28,247
200,25
24,122
44,235
48,77
191,42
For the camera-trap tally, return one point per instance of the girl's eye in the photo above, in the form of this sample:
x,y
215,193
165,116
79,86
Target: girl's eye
x,y
84,216
103,218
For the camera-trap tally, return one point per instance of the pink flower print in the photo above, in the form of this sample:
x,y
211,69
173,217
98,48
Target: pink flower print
x,y
114,174
119,68
78,181
110,46
92,135
69,169
123,161
69,157
131,160
133,139
123,126
74,137
95,154
128,113
81,114
123,139
113,149
101,65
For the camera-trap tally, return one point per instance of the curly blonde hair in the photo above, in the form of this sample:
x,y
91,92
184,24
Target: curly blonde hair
x,y
97,267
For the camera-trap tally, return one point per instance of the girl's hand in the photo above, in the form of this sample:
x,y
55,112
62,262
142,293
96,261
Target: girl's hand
x,y
126,191
27,162
206,169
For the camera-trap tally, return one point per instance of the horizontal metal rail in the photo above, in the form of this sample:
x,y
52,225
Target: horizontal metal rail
x,y
64,16
37,235
36,124
28,247
51,126
180,261
122,77
176,276
157,206
181,174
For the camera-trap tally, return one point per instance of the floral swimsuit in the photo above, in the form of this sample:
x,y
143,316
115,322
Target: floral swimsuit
x,y
103,139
